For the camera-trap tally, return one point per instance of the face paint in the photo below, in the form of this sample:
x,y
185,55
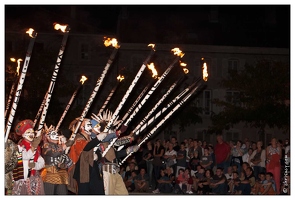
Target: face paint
x,y
87,127
29,134
53,135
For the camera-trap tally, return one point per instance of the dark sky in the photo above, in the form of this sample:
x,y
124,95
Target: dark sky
x,y
243,20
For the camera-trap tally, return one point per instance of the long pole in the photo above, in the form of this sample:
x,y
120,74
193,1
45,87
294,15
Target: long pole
x,y
54,76
21,81
163,120
69,104
109,97
158,104
10,96
135,80
40,110
147,96
93,94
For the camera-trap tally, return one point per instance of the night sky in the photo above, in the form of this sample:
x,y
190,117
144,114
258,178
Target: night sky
x,y
239,25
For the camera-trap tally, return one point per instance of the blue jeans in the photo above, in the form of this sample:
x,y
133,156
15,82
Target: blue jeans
x,y
220,189
224,165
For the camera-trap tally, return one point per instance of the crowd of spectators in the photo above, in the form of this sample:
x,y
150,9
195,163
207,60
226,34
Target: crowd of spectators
x,y
193,166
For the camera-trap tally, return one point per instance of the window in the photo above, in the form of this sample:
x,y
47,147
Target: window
x,y
232,65
207,102
84,53
233,97
232,135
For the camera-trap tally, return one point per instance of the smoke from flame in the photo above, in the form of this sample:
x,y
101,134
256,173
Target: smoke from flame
x,y
61,27
112,42
205,72
153,69
120,78
83,79
178,52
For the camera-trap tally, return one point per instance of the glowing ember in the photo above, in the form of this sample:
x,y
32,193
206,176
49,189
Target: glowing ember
x,y
183,64
18,65
83,79
185,70
61,27
153,69
205,72
112,42
30,32
120,78
12,59
178,52
151,45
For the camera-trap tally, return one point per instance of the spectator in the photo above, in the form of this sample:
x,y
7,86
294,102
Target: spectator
x,y
270,187
236,155
129,182
157,162
219,182
206,159
258,188
246,156
141,181
148,157
229,174
181,157
233,183
248,183
204,184
164,184
170,157
194,162
222,153
273,165
257,159
174,142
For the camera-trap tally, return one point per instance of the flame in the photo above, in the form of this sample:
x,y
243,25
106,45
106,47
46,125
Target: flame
x,y
205,72
12,59
18,65
30,32
178,52
83,79
185,70
151,45
183,64
120,78
61,27
153,69
112,42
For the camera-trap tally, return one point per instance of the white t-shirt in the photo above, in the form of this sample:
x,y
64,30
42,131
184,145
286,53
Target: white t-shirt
x,y
171,153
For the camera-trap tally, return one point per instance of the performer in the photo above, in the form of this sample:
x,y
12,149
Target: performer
x,y
81,139
112,180
56,163
26,177
10,164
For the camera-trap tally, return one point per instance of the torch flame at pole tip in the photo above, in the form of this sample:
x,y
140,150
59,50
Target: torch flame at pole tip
x,y
63,28
83,79
178,52
153,69
30,32
18,65
113,42
205,72
120,78
152,45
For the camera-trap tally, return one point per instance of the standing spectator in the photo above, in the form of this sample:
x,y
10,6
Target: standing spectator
x,y
257,159
254,145
206,159
157,162
273,165
212,154
200,147
219,182
148,157
222,153
236,155
170,157
181,157
190,145
141,181
174,142
246,156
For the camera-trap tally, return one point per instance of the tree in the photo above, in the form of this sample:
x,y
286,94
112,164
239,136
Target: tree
x,y
262,97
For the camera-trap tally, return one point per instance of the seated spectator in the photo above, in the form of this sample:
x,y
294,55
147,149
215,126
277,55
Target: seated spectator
x,y
234,183
258,188
219,182
199,175
189,181
164,183
204,184
235,168
248,183
229,174
194,162
129,182
269,187
141,181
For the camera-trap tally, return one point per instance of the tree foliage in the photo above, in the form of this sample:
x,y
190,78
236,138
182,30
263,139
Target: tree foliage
x,y
262,99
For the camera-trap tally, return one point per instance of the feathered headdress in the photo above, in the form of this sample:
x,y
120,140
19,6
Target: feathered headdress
x,y
104,118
